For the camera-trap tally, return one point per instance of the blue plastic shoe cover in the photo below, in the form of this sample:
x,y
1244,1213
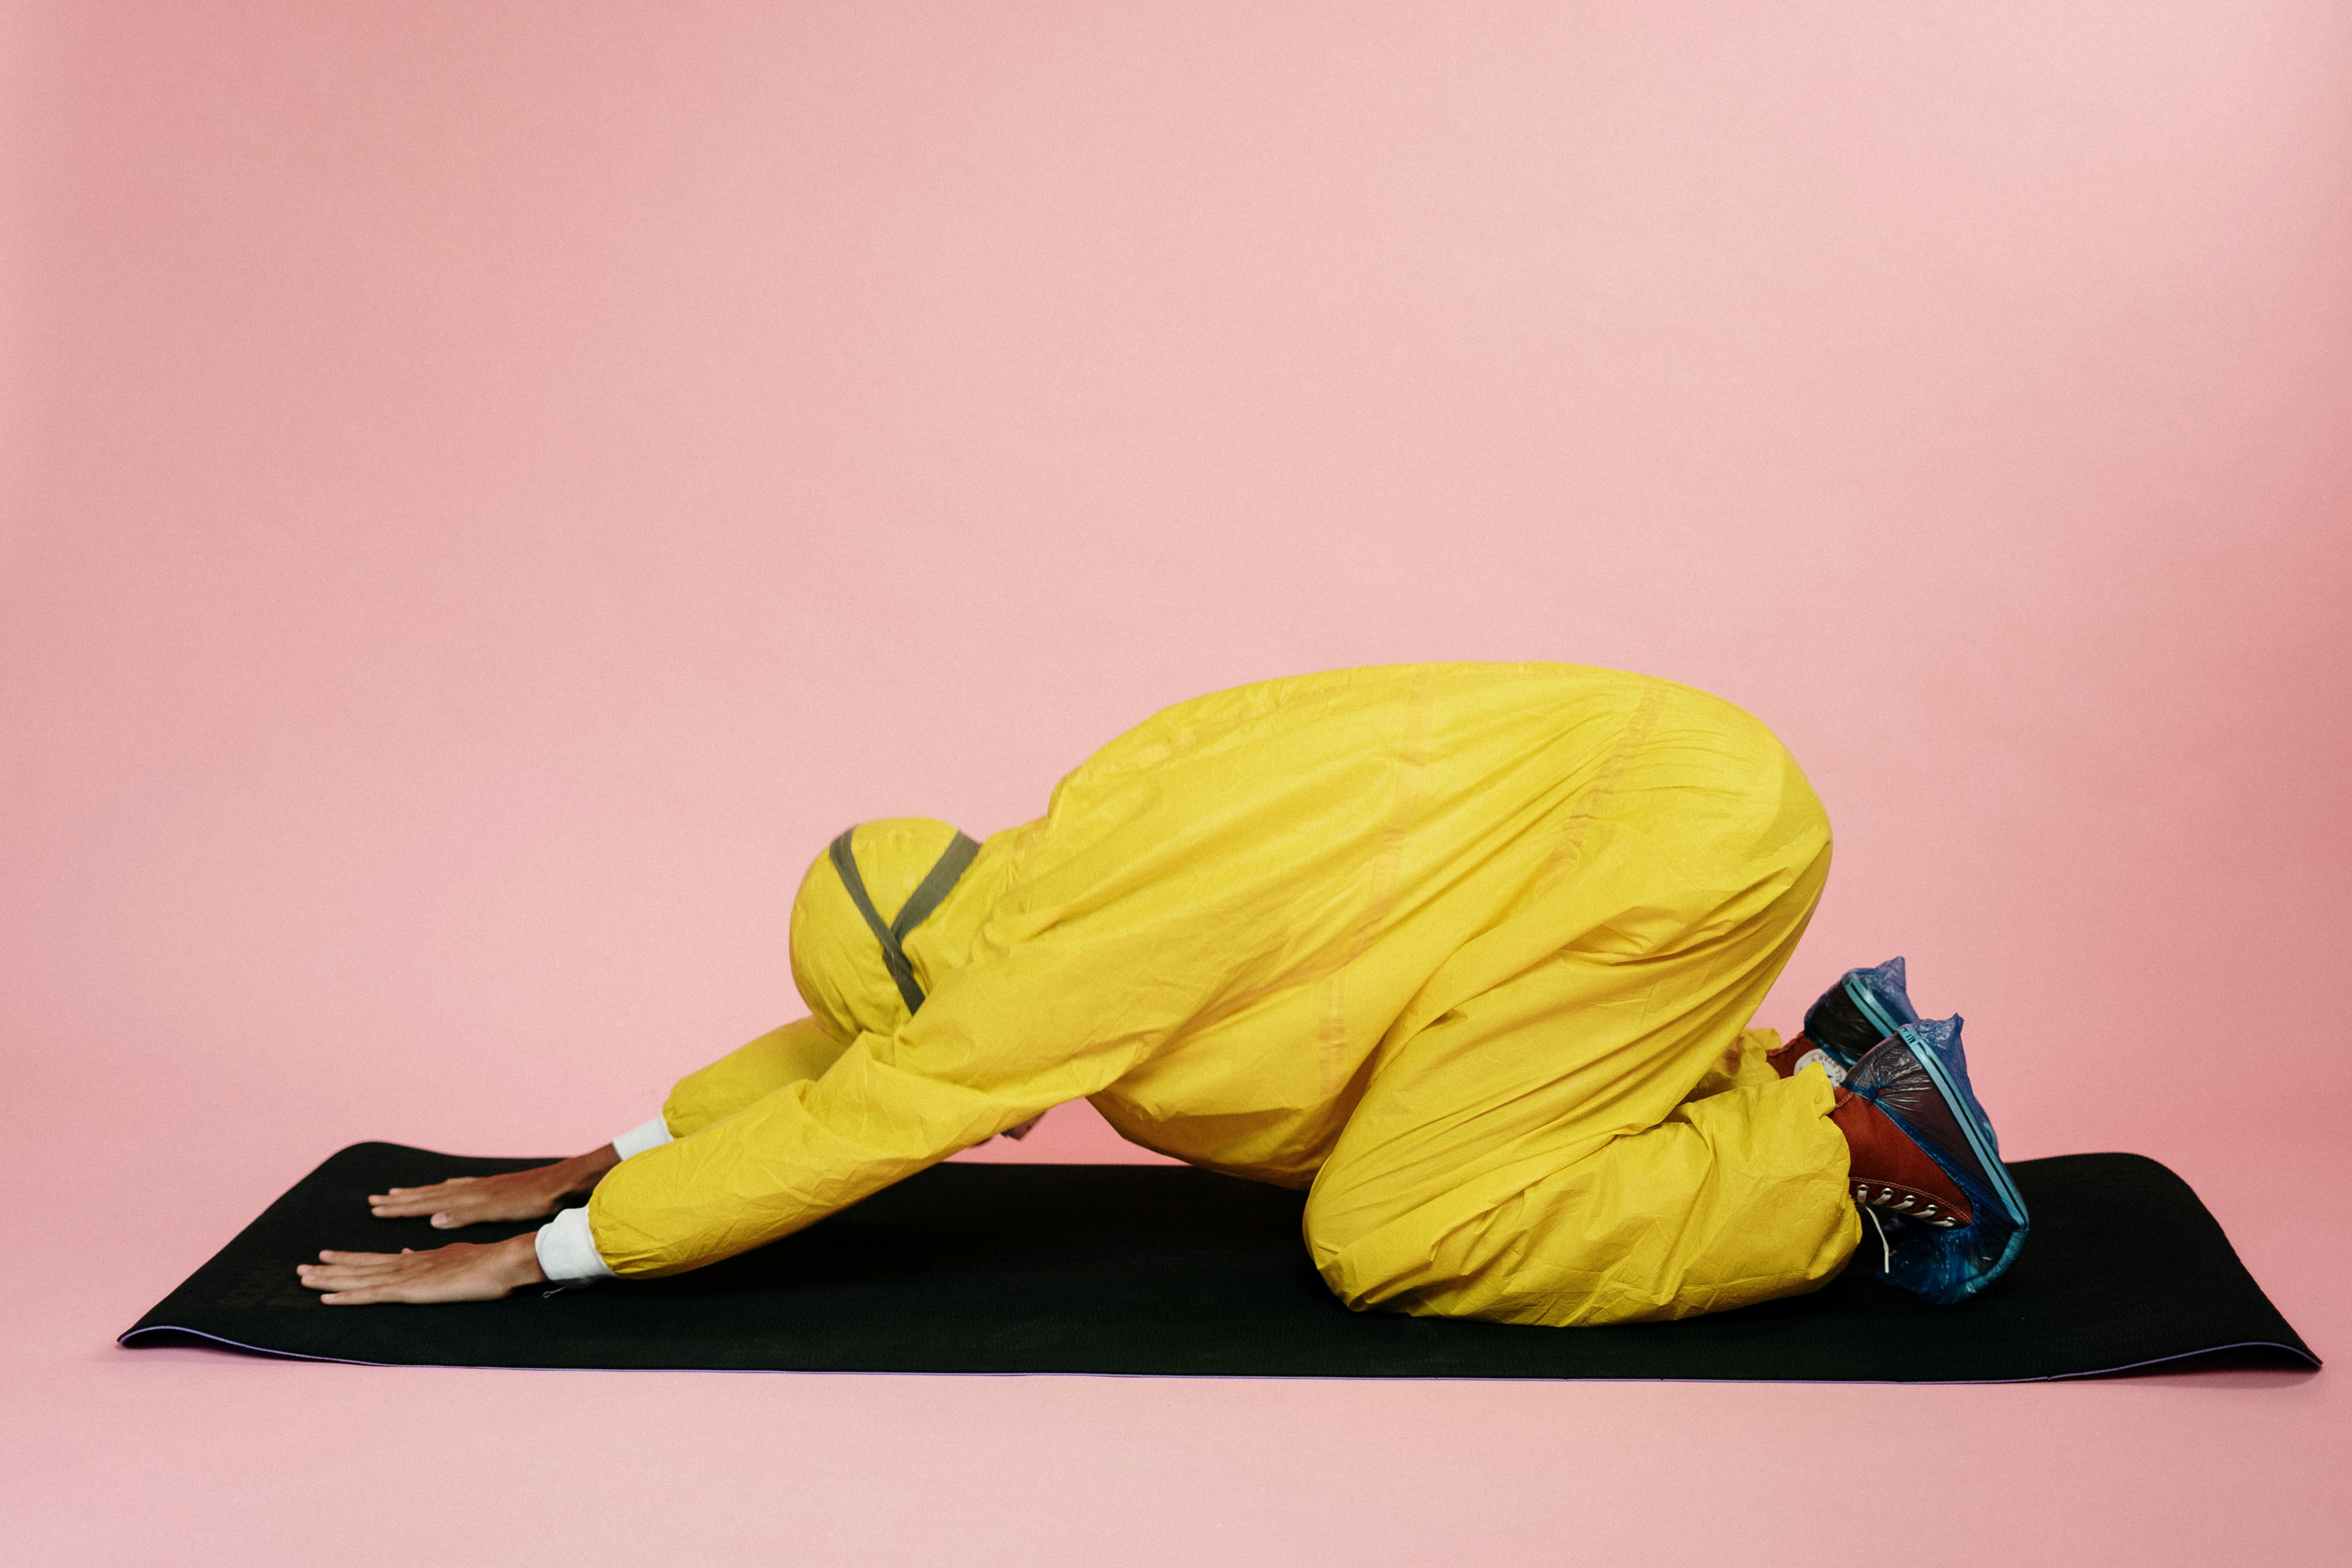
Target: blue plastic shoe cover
x,y
1920,1078
1859,1011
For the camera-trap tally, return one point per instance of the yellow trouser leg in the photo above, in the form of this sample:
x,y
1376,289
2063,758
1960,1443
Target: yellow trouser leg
x,y
1534,1156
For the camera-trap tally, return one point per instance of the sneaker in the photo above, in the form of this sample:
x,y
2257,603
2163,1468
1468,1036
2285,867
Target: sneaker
x,y
1859,1011
1890,1172
1917,1081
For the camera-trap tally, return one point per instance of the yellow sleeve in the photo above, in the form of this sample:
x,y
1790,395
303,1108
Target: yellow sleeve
x,y
989,1050
1742,1067
800,1049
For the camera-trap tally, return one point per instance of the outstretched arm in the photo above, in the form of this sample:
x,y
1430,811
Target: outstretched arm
x,y
519,1195
465,1272
800,1049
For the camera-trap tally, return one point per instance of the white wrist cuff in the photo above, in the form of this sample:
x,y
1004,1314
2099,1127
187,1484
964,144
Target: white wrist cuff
x,y
638,1140
567,1251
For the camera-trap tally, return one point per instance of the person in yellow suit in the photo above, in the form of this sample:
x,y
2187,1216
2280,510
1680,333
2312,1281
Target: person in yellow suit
x,y
1467,951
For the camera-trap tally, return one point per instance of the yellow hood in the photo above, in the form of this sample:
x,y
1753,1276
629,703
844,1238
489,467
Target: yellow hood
x,y
842,963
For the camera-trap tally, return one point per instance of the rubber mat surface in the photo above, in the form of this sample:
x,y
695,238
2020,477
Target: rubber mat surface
x,y
1163,1269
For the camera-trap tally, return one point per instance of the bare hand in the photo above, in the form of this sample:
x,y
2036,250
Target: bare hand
x,y
461,1271
519,1195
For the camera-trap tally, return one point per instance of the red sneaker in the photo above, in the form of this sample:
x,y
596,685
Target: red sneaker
x,y
1888,1171
1801,1053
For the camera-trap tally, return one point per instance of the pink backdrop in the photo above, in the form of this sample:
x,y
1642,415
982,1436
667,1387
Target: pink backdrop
x,y
493,488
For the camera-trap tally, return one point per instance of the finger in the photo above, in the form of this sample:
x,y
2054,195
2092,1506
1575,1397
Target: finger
x,y
449,1211
362,1260
359,1256
366,1297
347,1279
328,1276
393,1267
424,1201
387,1266
422,1285
430,1191
429,1187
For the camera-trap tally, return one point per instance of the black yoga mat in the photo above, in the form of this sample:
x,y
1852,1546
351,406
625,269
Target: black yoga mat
x,y
1166,1269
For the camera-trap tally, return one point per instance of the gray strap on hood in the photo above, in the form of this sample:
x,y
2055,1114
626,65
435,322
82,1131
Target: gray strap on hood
x,y
945,872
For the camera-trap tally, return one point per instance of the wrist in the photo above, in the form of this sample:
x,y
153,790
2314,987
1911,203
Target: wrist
x,y
521,1264
579,1173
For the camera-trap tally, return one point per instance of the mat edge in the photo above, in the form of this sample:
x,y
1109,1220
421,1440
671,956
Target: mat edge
x,y
2312,1365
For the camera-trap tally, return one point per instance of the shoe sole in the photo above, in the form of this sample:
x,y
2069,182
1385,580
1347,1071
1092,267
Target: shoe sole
x,y
1876,1013
1876,1016
1976,1129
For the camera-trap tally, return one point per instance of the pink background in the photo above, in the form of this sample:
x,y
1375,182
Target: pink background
x,y
493,488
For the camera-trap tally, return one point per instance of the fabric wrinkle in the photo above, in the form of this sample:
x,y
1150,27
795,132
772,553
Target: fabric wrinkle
x,y
1454,947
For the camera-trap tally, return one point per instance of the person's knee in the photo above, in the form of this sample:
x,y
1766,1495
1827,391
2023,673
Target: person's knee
x,y
1340,1218
1379,1246
1437,1260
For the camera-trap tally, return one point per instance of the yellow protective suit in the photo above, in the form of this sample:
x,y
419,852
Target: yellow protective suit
x,y
1469,951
